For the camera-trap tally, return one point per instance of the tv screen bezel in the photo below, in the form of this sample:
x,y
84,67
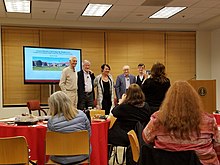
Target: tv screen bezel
x,y
79,62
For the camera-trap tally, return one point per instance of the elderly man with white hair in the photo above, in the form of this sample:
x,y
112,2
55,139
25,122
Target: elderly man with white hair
x,y
123,82
85,87
68,80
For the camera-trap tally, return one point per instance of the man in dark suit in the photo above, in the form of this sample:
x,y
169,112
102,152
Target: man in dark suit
x,y
123,82
85,87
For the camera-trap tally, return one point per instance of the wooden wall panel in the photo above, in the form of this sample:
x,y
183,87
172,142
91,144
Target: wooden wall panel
x,y
91,43
180,55
93,49
132,48
117,48
14,90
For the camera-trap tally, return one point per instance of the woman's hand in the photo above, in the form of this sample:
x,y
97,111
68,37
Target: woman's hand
x,y
123,97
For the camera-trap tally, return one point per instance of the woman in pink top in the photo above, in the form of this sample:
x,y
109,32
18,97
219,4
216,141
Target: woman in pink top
x,y
180,124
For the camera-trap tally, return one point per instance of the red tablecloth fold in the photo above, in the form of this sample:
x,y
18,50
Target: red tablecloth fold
x,y
35,136
217,117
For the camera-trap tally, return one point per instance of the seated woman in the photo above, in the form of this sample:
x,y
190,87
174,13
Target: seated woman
x,y
66,118
181,125
131,110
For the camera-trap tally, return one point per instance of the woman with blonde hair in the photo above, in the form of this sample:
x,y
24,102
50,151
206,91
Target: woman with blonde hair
x,y
181,125
66,118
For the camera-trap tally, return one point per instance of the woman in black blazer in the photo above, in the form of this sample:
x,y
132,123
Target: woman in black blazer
x,y
131,110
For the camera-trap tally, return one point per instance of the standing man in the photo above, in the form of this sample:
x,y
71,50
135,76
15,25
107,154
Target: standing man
x,y
123,82
68,81
141,74
85,87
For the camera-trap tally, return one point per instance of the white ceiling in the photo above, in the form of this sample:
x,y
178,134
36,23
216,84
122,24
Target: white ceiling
x,y
125,14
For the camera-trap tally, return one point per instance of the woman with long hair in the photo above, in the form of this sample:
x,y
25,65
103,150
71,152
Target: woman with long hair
x,y
180,124
66,118
156,86
131,110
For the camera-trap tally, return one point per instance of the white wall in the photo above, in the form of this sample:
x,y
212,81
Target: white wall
x,y
203,53
215,61
208,58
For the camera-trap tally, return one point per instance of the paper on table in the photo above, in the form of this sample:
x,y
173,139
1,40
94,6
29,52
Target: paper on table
x,y
8,119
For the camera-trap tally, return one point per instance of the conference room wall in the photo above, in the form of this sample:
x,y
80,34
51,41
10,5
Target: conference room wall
x,y
132,40
175,49
204,68
13,40
215,63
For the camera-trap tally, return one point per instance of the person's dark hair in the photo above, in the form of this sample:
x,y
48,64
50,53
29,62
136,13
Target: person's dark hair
x,y
141,65
158,73
135,96
103,66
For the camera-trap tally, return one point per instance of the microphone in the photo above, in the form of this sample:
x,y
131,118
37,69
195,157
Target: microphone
x,y
194,77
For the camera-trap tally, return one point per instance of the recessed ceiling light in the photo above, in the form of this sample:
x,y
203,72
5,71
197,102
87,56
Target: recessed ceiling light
x,y
18,6
167,12
96,9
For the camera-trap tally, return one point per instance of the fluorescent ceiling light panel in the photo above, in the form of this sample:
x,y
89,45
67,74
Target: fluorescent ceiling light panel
x,y
167,12
18,6
96,9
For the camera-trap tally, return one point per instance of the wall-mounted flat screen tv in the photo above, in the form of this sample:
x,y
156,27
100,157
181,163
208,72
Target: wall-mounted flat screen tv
x,y
45,65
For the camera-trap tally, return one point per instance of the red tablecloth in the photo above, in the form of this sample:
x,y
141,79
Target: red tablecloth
x,y
217,117
99,141
35,136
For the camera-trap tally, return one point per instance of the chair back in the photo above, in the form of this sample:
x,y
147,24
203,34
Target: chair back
x,y
155,156
94,113
34,105
135,148
112,120
14,150
67,144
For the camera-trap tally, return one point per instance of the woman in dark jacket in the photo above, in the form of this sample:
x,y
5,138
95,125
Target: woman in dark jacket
x,y
131,109
156,86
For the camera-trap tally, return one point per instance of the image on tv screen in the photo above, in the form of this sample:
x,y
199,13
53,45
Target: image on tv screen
x,y
45,65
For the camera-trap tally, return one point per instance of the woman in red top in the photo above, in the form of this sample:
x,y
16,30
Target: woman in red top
x,y
180,124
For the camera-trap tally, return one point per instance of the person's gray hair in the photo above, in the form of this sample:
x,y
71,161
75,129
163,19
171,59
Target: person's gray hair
x,y
61,104
126,67
72,57
86,62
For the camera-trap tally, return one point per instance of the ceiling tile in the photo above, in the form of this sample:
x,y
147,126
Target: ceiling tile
x,y
43,4
89,19
103,1
73,1
186,3
206,3
130,2
122,11
18,15
79,6
135,17
71,17
44,13
111,19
